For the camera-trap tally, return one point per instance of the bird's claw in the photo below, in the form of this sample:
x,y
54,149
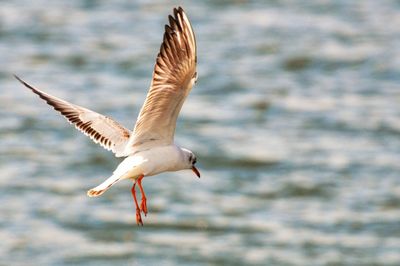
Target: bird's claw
x,y
143,206
139,218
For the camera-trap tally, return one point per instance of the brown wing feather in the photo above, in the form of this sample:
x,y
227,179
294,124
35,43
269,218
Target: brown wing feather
x,y
101,129
173,77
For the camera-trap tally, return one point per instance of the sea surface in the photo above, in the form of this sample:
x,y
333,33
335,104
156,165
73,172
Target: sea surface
x,y
295,121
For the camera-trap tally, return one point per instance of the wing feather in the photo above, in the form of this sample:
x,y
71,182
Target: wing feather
x,y
101,129
173,77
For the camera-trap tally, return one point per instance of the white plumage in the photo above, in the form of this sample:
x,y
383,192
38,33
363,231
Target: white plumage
x,y
149,149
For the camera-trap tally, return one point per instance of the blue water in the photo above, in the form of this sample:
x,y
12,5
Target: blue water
x,y
295,121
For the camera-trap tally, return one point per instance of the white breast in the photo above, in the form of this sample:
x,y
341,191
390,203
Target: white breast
x,y
161,159
151,162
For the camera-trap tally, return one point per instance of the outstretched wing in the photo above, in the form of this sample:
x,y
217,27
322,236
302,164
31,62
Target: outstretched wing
x,y
173,77
101,129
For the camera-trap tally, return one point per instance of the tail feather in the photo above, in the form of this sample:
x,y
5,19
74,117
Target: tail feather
x,y
100,189
126,169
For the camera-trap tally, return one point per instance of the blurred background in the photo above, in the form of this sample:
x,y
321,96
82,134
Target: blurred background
x,y
295,121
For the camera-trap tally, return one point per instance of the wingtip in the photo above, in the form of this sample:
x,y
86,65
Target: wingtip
x,y
178,10
23,82
18,78
171,20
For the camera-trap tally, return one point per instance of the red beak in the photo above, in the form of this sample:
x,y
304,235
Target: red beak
x,y
194,169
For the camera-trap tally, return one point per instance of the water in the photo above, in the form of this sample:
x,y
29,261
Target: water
x,y
295,122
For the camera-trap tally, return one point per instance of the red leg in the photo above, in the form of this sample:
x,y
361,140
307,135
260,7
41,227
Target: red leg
x,y
138,216
143,205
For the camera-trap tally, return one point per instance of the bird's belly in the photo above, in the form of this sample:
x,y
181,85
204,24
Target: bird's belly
x,y
150,162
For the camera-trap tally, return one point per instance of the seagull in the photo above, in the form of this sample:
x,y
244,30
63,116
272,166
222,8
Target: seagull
x,y
149,149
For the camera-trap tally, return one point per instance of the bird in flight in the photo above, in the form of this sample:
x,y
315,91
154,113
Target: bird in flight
x,y
149,149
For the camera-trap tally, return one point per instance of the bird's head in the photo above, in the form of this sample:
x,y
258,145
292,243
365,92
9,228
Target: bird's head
x,y
191,160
